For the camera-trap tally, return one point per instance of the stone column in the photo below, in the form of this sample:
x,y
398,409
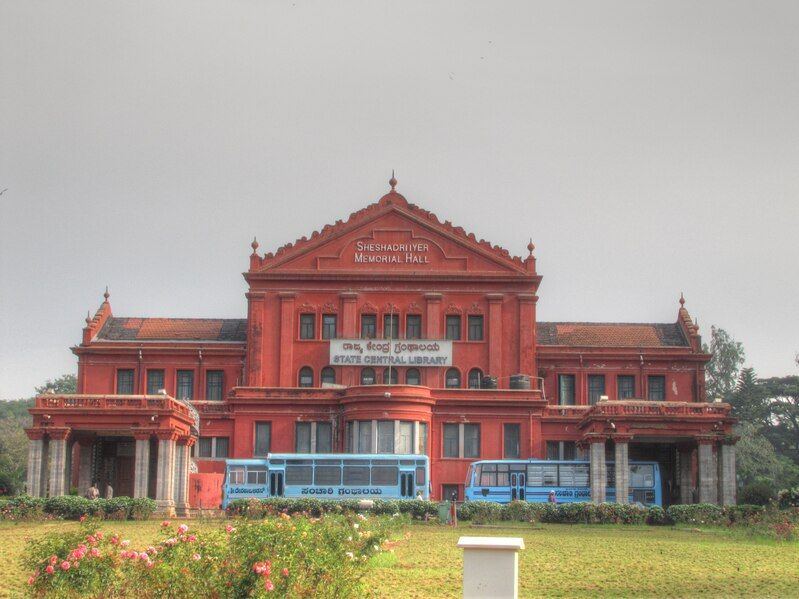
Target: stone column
x,y
708,485
141,472
58,461
181,492
599,473
622,469
349,315
727,472
255,346
85,465
527,335
287,376
686,480
164,498
432,377
35,461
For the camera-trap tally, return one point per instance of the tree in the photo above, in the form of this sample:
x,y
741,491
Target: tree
x,y
782,395
66,383
756,460
749,401
722,370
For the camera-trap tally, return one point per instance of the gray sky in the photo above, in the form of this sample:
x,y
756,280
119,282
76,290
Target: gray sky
x,y
648,148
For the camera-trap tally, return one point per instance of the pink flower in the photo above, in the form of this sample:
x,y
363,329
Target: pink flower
x,y
115,540
65,565
268,585
95,552
144,556
124,543
83,518
165,524
229,529
192,538
182,529
49,569
170,542
99,535
150,564
31,580
285,572
54,559
195,557
152,549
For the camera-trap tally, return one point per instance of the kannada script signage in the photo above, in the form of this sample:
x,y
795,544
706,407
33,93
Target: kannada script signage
x,y
382,352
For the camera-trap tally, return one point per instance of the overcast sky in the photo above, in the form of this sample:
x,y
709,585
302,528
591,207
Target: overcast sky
x,y
648,148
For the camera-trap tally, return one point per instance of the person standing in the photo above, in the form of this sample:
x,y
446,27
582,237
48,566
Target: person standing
x,y
92,492
552,498
453,510
109,491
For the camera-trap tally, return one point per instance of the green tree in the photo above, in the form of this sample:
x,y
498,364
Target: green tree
x,y
66,383
749,401
756,460
782,394
727,358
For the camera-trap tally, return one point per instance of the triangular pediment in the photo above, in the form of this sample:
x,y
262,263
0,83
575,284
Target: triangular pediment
x,y
392,236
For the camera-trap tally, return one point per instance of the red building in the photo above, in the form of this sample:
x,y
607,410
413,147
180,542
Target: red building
x,y
391,331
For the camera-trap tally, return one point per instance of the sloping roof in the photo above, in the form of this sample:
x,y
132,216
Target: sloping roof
x,y
233,330
610,334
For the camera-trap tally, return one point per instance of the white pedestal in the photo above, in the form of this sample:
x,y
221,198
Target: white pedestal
x,y
491,567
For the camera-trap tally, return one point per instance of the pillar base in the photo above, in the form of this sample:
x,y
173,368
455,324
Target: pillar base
x,y
165,508
182,510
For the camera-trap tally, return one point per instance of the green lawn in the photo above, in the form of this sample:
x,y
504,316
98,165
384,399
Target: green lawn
x,y
560,560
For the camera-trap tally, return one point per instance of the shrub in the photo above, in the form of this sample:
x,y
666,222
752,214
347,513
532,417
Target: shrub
x,y
22,507
657,516
698,513
70,507
291,556
788,498
744,514
260,508
480,512
757,493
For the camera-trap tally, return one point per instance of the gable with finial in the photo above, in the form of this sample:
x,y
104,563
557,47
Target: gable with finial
x,y
393,236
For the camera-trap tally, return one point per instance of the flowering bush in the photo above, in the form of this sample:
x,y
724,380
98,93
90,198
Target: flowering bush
x,y
260,508
284,556
788,498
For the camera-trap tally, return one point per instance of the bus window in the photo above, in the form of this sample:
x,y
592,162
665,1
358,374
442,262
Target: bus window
x,y
503,480
535,475
420,477
550,474
488,475
256,475
642,475
235,475
581,478
299,475
385,462
469,474
356,475
566,473
327,475
384,475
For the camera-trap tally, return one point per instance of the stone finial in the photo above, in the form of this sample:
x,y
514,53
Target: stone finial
x,y
682,300
254,245
530,246
106,295
88,317
393,181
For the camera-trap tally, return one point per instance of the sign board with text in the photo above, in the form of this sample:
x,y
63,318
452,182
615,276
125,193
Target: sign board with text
x,y
418,353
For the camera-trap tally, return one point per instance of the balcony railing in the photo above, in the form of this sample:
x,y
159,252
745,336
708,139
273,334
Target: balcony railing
x,y
111,402
659,408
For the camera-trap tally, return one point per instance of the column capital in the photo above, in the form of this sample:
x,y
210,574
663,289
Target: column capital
x,y
706,439
729,440
348,296
85,441
495,298
595,438
143,435
527,298
286,295
167,434
432,297
621,438
255,295
58,433
35,434
187,440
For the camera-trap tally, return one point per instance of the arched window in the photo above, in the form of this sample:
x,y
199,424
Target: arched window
x,y
368,376
412,377
453,378
306,376
390,373
475,378
328,375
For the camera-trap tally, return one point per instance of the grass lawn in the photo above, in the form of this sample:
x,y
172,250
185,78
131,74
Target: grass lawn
x,y
559,560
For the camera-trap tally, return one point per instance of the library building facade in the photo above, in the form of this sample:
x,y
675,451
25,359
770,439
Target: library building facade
x,y
389,332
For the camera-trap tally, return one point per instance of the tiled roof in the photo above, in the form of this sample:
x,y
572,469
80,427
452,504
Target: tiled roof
x,y
174,329
610,334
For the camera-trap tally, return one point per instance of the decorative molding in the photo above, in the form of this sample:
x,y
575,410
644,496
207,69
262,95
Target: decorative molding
x,y
475,308
390,307
307,308
368,308
414,308
453,309
330,308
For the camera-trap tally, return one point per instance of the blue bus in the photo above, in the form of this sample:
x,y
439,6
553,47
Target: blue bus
x,y
504,481
327,476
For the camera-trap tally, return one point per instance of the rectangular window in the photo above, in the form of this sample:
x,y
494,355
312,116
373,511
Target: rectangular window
x,y
185,384
657,387
390,326
471,440
221,448
365,436
405,437
214,385
596,387
155,381
324,437
454,327
327,475
566,389
475,328
385,436
512,441
125,381
329,326
413,326
204,447
626,386
384,475
356,475
256,475
368,326
263,438
307,326
235,475
451,441
299,475
563,450
302,437
212,447
422,438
